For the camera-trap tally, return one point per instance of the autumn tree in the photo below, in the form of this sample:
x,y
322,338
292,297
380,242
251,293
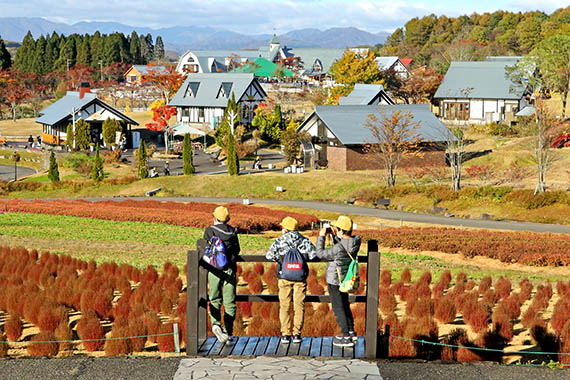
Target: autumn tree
x,y
394,134
15,89
188,166
53,172
269,120
168,81
291,141
455,150
420,86
161,114
354,68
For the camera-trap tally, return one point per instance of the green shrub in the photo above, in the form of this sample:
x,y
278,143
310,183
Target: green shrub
x,y
142,160
497,129
494,193
97,170
76,160
188,167
527,199
53,173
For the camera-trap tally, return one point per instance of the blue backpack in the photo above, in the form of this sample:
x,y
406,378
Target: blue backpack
x,y
294,267
215,253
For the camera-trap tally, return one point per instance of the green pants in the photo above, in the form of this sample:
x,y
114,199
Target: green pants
x,y
222,289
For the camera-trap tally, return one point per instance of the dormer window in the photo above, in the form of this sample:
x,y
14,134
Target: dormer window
x,y
192,89
225,90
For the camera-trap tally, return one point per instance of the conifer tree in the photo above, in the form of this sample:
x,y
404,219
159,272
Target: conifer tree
x,y
38,64
5,58
84,52
70,137
188,168
24,54
135,48
142,160
82,134
53,172
232,158
97,171
159,49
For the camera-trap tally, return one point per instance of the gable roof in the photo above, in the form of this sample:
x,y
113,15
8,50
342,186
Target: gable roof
x,y
208,89
61,109
479,80
144,69
406,61
348,123
384,63
364,94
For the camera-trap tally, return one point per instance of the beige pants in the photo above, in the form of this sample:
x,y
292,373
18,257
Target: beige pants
x,y
295,291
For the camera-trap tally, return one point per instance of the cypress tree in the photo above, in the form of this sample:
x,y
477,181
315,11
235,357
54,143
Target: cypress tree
x,y
5,58
95,47
188,168
25,53
97,171
38,64
142,160
134,48
70,137
82,134
159,49
84,52
149,54
53,173
232,157
111,50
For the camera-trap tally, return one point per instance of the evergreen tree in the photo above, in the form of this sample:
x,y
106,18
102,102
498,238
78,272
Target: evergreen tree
x,y
5,58
52,52
97,174
70,137
82,134
232,158
24,54
135,48
110,129
53,173
231,109
159,49
111,51
67,54
38,64
142,160
188,168
96,45
84,51
147,48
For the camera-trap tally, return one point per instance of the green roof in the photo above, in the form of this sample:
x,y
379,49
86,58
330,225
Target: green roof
x,y
261,67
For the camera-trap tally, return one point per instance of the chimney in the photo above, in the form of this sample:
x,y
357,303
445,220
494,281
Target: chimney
x,y
84,87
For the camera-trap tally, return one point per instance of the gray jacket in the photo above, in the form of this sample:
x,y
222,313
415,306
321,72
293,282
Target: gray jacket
x,y
337,256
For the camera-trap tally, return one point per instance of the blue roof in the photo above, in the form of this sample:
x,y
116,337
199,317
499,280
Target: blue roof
x,y
144,69
348,123
61,109
363,94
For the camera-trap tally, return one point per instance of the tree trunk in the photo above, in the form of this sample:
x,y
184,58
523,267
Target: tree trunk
x,y
13,112
391,179
564,98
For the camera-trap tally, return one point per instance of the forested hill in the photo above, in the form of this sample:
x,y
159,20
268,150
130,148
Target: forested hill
x,y
436,41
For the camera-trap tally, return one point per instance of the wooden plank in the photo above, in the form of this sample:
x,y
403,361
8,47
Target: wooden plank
x,y
192,293
372,281
348,352
250,347
215,351
207,345
229,347
240,345
316,346
282,349
272,345
261,346
293,349
305,346
326,348
202,303
359,348
336,351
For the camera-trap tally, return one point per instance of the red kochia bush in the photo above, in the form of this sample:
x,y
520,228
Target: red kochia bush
x,y
43,344
13,328
444,310
116,345
255,285
90,330
3,345
166,342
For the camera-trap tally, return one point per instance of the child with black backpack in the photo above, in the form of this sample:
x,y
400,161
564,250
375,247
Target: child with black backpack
x,y
291,251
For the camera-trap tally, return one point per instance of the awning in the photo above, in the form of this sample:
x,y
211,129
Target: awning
x,y
182,129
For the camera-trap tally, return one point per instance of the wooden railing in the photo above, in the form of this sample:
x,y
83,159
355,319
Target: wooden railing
x,y
197,299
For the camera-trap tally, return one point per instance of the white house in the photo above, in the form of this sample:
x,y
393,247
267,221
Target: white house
x,y
480,92
392,63
203,98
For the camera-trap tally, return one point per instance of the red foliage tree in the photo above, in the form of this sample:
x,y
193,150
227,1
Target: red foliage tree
x,y
43,344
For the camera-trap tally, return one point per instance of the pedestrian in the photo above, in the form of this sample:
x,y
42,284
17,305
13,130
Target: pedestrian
x,y
166,168
30,142
339,256
153,173
290,290
257,163
222,283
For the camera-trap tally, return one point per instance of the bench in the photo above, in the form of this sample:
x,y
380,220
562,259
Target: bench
x,y
382,202
152,192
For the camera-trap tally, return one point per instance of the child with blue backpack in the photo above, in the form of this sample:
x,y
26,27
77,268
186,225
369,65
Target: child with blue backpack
x,y
222,283
291,251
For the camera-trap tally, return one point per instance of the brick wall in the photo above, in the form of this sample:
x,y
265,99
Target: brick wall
x,y
355,158
337,157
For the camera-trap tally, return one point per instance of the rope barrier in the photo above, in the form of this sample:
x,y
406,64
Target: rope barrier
x,y
479,348
89,340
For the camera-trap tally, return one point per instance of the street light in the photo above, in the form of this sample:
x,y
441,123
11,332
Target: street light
x,y
16,158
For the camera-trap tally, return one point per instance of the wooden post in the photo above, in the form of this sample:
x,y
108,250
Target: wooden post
x,y
202,302
372,281
192,293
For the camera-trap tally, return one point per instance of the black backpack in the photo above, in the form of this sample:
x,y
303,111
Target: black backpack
x,y
293,266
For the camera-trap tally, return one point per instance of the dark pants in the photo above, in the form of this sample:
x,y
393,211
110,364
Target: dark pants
x,y
341,309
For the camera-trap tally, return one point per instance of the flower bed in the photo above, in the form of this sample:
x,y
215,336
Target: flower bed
x,y
509,247
193,214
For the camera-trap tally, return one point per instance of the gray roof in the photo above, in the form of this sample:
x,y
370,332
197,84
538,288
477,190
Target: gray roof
x,y
61,109
348,123
384,63
362,94
206,88
479,80
502,58
326,56
144,69
526,111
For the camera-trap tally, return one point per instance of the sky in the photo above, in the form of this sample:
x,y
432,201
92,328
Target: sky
x,y
262,16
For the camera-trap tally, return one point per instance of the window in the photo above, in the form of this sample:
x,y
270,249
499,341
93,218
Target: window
x,y
225,89
192,89
185,112
200,113
457,111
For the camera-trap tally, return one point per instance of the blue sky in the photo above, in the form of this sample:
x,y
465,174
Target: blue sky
x,y
261,16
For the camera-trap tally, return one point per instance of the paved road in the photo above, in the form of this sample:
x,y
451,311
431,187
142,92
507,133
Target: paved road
x,y
7,172
89,368
379,213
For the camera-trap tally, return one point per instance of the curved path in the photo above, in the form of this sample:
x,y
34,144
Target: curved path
x,y
376,213
7,172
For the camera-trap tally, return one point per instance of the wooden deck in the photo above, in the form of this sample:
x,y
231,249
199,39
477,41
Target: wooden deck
x,y
271,346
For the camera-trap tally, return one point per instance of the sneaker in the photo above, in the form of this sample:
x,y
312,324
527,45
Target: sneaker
x,y
345,341
353,336
219,333
286,339
297,338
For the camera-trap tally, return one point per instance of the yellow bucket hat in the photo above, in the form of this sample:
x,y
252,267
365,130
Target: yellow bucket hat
x,y
222,214
289,223
343,222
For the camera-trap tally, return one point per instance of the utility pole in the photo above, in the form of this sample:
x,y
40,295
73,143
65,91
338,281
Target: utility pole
x,y
73,120
68,63
101,69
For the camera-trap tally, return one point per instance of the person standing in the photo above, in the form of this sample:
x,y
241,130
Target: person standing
x,y
222,283
339,257
291,290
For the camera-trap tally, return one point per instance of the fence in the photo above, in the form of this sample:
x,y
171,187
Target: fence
x,y
196,302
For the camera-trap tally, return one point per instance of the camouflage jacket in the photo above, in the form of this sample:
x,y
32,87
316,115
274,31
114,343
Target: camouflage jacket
x,y
291,239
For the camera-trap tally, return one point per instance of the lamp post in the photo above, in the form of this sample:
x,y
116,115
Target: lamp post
x,y
16,158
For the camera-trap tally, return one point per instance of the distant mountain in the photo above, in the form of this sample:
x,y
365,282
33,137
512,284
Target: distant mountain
x,y
181,38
